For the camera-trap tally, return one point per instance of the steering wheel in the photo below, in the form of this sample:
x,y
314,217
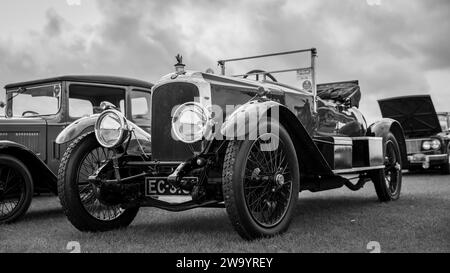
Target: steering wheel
x,y
257,75
30,112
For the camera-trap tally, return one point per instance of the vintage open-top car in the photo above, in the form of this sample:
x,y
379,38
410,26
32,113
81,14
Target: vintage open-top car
x,y
249,145
427,132
37,111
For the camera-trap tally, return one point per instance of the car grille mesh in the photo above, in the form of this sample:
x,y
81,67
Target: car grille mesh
x,y
414,145
164,99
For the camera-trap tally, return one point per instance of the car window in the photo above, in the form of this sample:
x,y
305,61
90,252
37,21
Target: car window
x,y
140,107
85,100
36,101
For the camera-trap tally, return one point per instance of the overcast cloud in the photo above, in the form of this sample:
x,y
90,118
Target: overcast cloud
x,y
398,47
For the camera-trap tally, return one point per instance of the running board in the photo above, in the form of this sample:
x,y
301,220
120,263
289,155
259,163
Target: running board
x,y
357,170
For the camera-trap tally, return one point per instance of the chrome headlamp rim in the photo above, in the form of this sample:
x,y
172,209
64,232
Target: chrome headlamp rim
x,y
435,144
426,145
205,115
123,128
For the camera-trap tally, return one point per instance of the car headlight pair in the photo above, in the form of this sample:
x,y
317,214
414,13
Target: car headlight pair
x,y
111,129
191,122
434,144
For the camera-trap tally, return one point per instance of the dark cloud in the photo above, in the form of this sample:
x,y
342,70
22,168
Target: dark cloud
x,y
55,23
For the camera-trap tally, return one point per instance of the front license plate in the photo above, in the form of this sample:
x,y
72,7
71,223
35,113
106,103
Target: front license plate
x,y
155,186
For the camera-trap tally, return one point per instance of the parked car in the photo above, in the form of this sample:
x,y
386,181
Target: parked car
x,y
37,111
427,133
247,145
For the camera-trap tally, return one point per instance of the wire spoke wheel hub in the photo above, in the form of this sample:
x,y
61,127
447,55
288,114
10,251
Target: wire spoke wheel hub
x,y
268,181
89,193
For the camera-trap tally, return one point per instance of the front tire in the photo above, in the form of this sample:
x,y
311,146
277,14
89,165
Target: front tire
x,y
16,189
388,182
260,186
79,198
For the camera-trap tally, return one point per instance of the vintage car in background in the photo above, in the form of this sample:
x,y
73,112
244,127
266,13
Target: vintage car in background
x,y
427,133
246,143
37,111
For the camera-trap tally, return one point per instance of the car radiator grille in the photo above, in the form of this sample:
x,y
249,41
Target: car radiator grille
x,y
414,146
164,99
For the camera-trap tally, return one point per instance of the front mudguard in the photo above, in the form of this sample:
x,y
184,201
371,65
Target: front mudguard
x,y
140,140
382,128
244,124
41,174
80,127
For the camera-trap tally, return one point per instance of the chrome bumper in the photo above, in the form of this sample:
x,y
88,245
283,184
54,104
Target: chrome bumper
x,y
428,160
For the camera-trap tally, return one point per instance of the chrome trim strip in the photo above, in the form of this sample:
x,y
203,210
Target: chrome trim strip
x,y
354,170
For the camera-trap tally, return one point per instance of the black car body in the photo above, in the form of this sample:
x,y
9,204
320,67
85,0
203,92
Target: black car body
x,y
37,111
427,132
208,129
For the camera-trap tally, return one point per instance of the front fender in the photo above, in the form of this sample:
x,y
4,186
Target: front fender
x,y
244,125
40,172
77,128
382,127
244,121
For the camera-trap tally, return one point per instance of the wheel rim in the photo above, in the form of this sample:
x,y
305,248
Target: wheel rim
x,y
11,191
393,168
267,182
88,192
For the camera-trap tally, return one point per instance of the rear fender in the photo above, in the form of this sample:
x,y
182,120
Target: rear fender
x,y
243,125
382,127
76,129
42,176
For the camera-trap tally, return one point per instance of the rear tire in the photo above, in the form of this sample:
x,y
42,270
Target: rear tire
x,y
80,213
16,189
388,182
261,188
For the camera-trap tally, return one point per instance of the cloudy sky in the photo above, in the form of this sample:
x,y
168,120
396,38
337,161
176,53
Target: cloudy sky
x,y
393,47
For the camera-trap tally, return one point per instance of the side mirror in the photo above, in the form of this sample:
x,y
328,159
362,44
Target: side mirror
x,y
2,104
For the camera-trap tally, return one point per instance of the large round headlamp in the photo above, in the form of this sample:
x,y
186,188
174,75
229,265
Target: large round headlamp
x,y
111,129
435,144
426,145
190,122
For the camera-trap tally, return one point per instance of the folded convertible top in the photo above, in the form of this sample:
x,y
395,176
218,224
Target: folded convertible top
x,y
340,92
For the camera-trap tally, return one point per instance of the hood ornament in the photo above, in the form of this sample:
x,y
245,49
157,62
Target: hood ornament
x,y
179,66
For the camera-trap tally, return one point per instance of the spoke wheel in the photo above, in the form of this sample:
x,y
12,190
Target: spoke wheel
x,y
88,192
81,200
268,182
388,182
16,189
261,183
393,168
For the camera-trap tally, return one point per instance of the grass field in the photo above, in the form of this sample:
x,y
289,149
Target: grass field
x,y
333,221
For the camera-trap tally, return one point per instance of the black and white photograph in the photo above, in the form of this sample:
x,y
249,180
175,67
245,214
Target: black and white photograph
x,y
232,134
